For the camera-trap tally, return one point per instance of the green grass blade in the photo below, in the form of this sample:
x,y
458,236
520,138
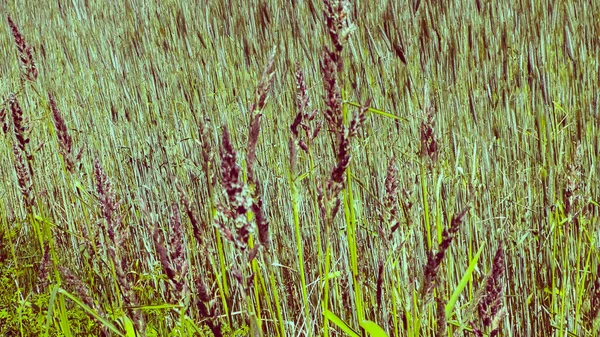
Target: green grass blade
x,y
377,111
101,319
463,282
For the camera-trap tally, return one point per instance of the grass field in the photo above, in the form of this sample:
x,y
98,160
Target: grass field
x,y
300,168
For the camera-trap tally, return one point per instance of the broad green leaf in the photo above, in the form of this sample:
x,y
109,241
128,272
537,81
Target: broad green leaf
x,y
128,325
341,324
373,329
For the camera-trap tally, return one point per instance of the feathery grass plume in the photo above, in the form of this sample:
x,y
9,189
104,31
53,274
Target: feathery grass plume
x,y
497,322
391,197
264,85
475,332
407,204
83,292
65,142
337,180
302,97
261,96
4,119
572,193
207,154
262,93
339,26
594,298
44,269
262,223
238,195
23,176
252,141
173,260
20,127
176,244
207,307
108,202
491,300
429,145
25,52
197,224
303,116
333,96
434,261
109,207
293,155
440,315
379,293
163,255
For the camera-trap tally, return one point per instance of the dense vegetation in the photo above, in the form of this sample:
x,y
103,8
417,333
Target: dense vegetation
x,y
300,168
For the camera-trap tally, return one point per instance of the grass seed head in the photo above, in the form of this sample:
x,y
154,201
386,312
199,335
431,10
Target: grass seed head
x,y
65,142
23,176
25,52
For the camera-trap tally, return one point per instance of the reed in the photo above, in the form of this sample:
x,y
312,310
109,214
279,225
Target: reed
x,y
309,168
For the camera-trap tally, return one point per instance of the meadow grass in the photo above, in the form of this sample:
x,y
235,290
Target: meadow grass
x,y
302,168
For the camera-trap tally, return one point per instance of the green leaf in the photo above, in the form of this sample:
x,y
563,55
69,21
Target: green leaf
x,y
333,275
341,324
373,329
463,282
128,326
